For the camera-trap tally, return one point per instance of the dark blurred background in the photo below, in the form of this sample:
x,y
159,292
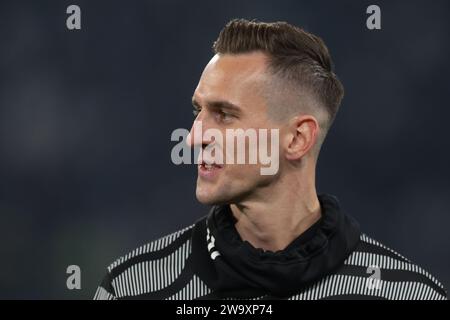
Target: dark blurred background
x,y
86,118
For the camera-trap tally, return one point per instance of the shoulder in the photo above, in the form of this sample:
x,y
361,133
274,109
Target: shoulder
x,y
397,276
156,249
150,267
375,271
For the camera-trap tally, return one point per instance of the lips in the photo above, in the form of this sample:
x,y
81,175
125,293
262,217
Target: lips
x,y
210,166
208,170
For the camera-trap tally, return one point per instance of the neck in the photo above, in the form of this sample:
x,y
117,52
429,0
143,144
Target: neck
x,y
272,219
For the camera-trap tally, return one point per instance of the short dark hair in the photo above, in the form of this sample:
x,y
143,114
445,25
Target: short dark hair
x,y
294,54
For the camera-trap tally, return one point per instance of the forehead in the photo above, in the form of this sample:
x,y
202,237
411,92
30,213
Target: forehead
x,y
231,77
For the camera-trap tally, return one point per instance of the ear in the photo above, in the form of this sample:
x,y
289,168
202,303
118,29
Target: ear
x,y
302,135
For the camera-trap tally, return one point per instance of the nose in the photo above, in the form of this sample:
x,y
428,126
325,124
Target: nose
x,y
195,137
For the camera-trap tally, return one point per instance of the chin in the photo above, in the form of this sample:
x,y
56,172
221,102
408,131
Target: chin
x,y
209,198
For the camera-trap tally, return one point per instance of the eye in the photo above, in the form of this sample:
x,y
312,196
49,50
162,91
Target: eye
x,y
224,116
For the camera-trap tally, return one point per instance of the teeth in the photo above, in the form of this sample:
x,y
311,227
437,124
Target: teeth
x,y
208,166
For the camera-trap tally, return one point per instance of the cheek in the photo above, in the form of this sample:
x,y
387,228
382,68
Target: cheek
x,y
242,174
243,153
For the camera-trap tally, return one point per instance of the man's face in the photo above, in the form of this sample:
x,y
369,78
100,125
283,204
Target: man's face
x,y
228,96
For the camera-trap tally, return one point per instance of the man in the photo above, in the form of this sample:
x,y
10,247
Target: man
x,y
267,236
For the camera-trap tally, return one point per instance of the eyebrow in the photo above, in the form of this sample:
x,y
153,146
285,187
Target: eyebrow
x,y
219,104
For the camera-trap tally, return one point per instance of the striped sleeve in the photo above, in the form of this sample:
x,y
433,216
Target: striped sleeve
x,y
105,290
148,269
397,279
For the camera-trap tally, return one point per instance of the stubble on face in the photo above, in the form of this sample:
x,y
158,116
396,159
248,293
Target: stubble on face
x,y
240,80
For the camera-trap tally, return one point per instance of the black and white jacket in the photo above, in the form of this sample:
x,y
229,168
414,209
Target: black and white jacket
x,y
208,260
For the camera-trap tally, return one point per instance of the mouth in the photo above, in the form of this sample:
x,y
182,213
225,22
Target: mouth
x,y
208,170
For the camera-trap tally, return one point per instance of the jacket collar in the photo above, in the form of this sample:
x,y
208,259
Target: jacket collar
x,y
229,265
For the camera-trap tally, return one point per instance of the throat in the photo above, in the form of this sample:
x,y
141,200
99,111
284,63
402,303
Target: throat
x,y
274,232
